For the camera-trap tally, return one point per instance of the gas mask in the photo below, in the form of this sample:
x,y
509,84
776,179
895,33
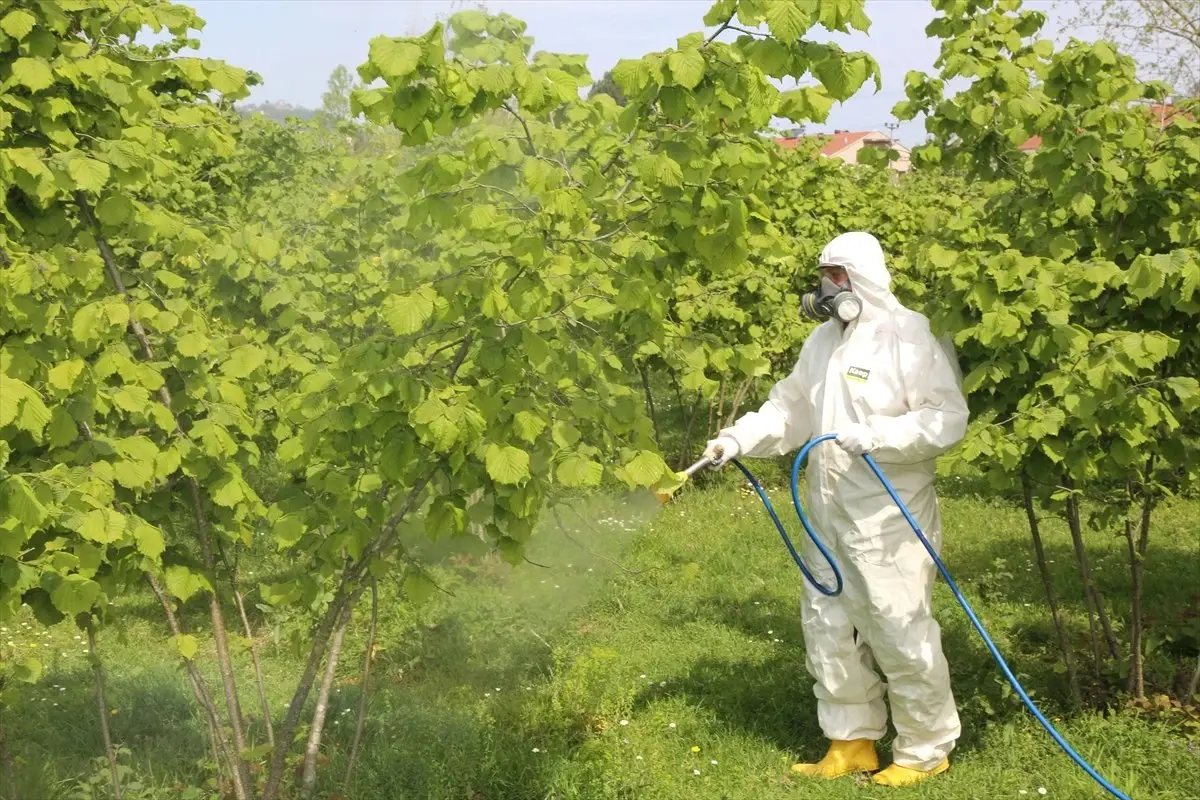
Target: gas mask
x,y
830,301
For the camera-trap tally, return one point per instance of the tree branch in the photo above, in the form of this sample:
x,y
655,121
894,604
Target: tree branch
x,y
102,706
368,657
721,29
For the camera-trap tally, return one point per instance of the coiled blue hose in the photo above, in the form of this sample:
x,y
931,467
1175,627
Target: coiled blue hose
x,y
962,601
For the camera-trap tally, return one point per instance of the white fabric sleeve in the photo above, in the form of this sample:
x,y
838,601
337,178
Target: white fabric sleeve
x,y
933,390
783,422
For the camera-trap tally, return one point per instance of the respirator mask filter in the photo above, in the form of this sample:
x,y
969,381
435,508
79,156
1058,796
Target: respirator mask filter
x,y
830,301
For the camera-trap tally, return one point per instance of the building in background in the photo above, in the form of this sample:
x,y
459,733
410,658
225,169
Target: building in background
x,y
1164,114
846,146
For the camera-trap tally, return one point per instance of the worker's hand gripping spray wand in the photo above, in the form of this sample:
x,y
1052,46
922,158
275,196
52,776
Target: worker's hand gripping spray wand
x,y
705,461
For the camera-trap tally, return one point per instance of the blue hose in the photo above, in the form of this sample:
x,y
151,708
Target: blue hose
x,y
962,601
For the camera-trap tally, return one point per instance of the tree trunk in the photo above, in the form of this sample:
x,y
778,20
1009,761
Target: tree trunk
x,y
1137,557
313,748
687,440
737,401
348,592
715,421
220,639
320,641
1081,560
102,707
1097,600
1064,642
682,411
263,702
362,698
203,697
645,370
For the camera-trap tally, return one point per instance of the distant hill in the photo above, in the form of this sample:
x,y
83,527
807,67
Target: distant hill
x,y
277,111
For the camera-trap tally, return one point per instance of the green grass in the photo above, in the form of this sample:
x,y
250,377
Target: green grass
x,y
517,686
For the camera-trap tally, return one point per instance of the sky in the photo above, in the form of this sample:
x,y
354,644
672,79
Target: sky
x,y
296,44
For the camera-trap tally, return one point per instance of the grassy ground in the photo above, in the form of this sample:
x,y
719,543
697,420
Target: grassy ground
x,y
664,661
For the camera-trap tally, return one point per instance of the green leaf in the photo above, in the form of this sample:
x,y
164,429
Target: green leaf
x,y
114,209
1083,204
227,79
1187,390
941,258
90,558
181,582
843,74
565,434
644,469
149,538
243,361
22,406
511,550
95,321
687,67
394,58
75,594
33,73
133,474
506,464
807,103
662,168
529,425
472,21
22,503
288,530
576,470
408,313
495,303
228,491
418,588
264,248
18,24
720,12
88,173
192,344
787,20
133,399
771,56
63,375
28,670
187,644
102,525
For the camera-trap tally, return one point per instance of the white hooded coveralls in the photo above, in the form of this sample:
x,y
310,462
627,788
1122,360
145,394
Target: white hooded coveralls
x,y
885,370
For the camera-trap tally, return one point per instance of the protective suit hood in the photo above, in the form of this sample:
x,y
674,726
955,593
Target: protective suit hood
x,y
861,256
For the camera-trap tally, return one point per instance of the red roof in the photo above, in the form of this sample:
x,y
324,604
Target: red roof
x,y
1031,144
1165,114
834,143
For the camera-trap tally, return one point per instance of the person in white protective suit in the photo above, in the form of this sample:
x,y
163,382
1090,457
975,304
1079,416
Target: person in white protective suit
x,y
879,379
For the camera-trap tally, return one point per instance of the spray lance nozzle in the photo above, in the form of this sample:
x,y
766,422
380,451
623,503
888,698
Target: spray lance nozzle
x,y
690,472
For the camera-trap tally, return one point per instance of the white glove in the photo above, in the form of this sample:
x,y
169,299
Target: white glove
x,y
728,448
856,438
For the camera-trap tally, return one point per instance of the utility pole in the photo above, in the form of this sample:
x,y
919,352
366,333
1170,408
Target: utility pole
x,y
892,127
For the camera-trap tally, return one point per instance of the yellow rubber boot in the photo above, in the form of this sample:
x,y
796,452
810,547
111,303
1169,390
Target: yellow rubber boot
x,y
896,775
842,758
